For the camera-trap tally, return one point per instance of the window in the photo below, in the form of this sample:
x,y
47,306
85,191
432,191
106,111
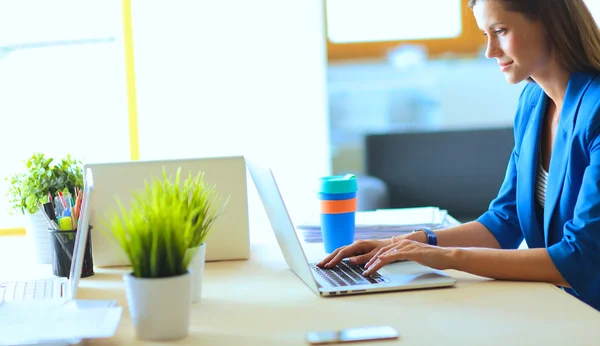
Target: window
x,y
62,85
370,28
392,20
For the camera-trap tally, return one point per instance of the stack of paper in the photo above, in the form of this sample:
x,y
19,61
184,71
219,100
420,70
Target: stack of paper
x,y
55,322
383,223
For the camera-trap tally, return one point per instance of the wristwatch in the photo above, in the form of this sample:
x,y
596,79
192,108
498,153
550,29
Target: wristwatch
x,y
431,237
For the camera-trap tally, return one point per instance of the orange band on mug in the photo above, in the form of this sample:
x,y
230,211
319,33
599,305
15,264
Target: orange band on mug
x,y
338,206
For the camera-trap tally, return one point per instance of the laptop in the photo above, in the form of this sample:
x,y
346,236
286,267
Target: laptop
x,y
230,237
345,278
57,288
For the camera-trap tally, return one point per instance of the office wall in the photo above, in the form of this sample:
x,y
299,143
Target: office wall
x,y
376,96
235,77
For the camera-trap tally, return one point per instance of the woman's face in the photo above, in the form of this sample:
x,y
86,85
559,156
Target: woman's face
x,y
516,42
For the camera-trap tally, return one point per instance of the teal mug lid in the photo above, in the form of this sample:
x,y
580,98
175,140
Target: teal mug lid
x,y
338,184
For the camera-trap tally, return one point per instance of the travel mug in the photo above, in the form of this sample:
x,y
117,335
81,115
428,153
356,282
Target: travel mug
x,y
338,210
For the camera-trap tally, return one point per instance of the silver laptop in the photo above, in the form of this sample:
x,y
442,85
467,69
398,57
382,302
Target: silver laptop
x,y
57,288
230,237
345,278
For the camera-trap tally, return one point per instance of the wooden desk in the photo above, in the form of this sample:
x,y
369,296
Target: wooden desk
x,y
261,302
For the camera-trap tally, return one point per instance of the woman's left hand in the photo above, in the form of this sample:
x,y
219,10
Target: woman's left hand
x,y
404,249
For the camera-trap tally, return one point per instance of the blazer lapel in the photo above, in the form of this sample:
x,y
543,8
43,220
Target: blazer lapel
x,y
578,83
526,176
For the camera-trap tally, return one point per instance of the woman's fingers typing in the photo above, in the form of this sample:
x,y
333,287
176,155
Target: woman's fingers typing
x,y
362,250
330,257
345,252
379,253
391,253
362,259
384,259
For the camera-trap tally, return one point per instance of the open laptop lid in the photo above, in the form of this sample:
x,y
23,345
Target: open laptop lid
x,y
281,223
81,237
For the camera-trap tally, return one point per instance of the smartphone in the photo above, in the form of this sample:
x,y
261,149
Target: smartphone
x,y
352,334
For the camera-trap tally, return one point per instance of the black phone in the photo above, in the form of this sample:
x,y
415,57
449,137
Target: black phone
x,y
352,334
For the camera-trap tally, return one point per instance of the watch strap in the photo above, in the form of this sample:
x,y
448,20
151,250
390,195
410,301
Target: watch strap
x,y
431,237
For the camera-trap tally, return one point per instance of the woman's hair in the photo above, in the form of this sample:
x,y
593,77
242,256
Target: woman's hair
x,y
570,27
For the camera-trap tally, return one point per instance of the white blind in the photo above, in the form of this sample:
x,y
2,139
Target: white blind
x,y
61,91
392,20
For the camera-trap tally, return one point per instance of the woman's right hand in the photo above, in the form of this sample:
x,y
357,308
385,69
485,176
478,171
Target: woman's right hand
x,y
359,252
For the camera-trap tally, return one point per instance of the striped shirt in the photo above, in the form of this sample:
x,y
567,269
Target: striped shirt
x,y
540,184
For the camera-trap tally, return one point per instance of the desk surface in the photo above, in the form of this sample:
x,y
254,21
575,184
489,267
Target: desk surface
x,y
261,302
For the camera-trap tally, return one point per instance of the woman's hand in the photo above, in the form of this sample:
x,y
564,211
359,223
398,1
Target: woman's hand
x,y
405,249
361,252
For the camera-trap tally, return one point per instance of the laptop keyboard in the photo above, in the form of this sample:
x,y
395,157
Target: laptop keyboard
x,y
28,290
347,274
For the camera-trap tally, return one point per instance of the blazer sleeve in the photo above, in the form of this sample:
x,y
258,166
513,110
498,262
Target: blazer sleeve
x,y
501,217
577,255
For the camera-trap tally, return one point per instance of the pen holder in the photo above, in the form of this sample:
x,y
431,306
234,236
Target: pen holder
x,y
63,246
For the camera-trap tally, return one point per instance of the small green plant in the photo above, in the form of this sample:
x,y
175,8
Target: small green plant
x,y
42,176
162,223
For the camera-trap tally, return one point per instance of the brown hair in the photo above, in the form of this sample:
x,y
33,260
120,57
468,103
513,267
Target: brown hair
x,y
572,30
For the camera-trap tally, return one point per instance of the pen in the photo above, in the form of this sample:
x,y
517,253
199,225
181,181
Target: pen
x,y
69,202
62,199
78,206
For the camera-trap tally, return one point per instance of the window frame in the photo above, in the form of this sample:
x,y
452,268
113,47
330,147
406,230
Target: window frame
x,y
470,42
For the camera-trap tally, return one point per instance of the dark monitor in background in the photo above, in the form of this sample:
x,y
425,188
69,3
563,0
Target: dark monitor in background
x,y
458,170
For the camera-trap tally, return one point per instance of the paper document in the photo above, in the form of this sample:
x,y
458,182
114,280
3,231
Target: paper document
x,y
30,322
383,223
406,217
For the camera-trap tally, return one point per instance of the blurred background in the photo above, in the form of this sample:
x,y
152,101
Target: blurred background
x,y
301,83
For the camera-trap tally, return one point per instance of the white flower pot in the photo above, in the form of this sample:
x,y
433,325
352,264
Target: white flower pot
x,y
197,269
36,231
159,307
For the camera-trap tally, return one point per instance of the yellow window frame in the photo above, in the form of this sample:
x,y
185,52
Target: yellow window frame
x,y
134,145
469,42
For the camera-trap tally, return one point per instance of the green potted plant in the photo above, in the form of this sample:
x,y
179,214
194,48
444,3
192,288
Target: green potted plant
x,y
203,198
156,232
29,189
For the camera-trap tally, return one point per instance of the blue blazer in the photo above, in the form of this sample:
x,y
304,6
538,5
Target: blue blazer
x,y
569,224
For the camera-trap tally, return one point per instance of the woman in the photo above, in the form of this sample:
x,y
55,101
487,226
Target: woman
x,y
551,193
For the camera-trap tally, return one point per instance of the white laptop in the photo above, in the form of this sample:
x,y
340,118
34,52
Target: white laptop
x,y
345,278
57,288
229,239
